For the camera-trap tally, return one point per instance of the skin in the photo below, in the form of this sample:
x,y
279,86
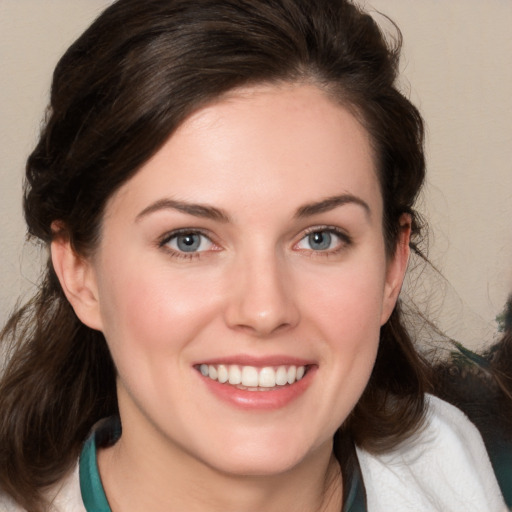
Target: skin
x,y
257,287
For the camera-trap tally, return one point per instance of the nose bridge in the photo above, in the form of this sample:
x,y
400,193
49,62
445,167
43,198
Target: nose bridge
x,y
261,301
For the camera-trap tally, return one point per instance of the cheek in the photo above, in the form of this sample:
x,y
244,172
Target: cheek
x,y
344,308
349,299
153,309
350,320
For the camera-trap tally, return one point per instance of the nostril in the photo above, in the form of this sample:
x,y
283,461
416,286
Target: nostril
x,y
262,329
260,301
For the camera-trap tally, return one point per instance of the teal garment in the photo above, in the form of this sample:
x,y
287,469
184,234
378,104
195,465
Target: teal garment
x,y
91,487
95,500
500,453
355,500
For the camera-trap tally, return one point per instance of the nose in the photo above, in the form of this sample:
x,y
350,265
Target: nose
x,y
261,301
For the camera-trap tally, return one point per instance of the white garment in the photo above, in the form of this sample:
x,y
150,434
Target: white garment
x,y
65,497
443,468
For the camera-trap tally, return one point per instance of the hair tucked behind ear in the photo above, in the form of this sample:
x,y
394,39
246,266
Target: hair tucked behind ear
x,y
117,95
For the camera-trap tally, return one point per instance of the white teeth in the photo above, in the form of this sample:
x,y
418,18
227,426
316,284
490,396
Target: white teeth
x,y
212,372
291,374
253,377
249,376
267,378
281,376
235,375
222,373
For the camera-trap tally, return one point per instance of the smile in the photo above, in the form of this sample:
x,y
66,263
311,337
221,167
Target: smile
x,y
252,378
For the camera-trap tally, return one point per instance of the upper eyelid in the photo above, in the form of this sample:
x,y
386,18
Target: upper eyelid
x,y
169,235
332,229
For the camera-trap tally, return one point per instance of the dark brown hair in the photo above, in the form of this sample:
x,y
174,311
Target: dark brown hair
x,y
118,93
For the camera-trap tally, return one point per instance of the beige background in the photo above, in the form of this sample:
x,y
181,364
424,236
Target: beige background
x,y
457,68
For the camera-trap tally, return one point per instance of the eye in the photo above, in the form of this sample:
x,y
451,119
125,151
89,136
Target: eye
x,y
188,242
323,240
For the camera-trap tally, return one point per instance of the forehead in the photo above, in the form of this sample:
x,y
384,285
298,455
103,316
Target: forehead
x,y
278,144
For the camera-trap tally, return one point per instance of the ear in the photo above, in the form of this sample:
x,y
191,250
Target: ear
x,y
396,268
78,280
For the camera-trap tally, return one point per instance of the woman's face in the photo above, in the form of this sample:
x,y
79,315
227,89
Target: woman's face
x,y
248,249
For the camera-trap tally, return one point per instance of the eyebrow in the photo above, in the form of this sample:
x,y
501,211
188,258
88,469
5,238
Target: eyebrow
x,y
210,212
197,210
330,203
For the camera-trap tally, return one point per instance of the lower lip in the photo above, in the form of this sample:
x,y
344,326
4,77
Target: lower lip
x,y
273,398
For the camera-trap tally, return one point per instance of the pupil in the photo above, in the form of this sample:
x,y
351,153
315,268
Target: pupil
x,y
320,240
188,243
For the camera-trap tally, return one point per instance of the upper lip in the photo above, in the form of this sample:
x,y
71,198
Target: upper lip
x,y
258,361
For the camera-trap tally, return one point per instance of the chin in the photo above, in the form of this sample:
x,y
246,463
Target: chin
x,y
263,457
257,465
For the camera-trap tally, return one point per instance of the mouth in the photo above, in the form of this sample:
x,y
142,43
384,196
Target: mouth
x,y
254,378
255,383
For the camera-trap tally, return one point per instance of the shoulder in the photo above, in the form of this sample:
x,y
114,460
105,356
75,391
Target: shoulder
x,y
7,505
444,467
65,496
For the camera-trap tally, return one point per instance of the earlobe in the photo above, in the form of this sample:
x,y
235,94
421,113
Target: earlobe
x,y
78,281
397,267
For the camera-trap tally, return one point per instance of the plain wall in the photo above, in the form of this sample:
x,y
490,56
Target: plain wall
x,y
457,68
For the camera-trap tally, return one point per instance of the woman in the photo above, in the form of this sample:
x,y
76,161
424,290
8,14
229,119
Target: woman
x,y
227,191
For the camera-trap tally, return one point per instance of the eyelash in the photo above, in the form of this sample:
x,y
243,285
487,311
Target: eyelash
x,y
345,241
168,237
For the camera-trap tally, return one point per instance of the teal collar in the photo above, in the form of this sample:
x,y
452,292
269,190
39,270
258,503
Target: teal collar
x,y
105,433
355,500
93,494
